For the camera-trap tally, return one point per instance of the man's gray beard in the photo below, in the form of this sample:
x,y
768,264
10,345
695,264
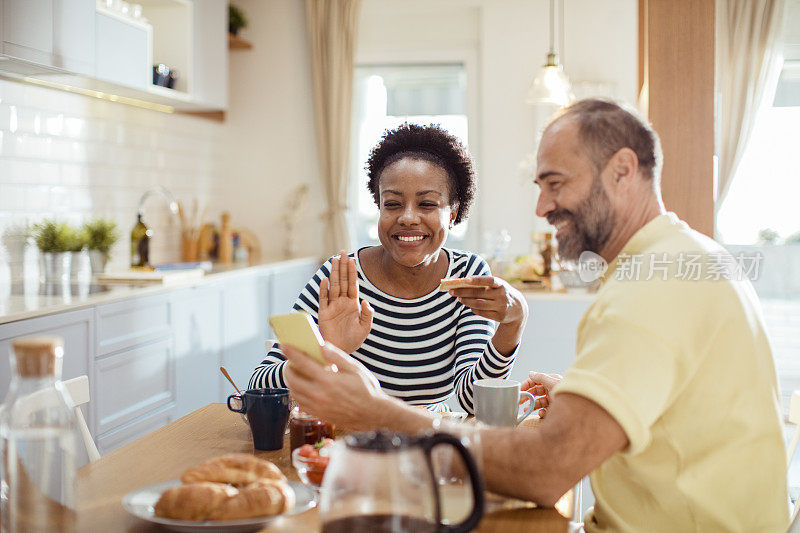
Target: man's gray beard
x,y
590,225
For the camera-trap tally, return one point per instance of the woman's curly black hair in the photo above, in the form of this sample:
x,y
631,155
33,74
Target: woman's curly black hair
x,y
430,143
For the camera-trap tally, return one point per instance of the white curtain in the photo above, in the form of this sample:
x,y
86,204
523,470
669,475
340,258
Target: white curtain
x,y
747,52
332,31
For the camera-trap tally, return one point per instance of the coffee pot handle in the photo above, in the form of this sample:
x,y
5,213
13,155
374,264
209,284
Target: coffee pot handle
x,y
476,482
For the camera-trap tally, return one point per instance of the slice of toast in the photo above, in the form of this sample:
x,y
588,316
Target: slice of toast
x,y
455,283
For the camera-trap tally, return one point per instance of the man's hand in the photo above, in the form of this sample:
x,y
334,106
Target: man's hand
x,y
344,393
540,386
342,320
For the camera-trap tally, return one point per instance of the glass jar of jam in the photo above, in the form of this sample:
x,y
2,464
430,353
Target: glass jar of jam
x,y
306,429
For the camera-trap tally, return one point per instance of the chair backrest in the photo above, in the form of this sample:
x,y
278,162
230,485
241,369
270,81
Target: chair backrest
x,y
78,392
78,389
794,418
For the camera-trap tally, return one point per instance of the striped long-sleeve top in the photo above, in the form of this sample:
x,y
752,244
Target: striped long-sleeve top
x,y
422,350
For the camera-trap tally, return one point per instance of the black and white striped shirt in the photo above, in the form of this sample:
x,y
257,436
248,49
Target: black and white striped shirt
x,y
422,350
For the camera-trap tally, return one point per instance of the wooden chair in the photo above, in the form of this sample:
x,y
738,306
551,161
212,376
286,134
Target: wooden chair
x,y
794,418
78,389
78,392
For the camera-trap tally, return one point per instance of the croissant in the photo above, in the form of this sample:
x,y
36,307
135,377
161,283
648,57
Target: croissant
x,y
262,498
193,502
237,469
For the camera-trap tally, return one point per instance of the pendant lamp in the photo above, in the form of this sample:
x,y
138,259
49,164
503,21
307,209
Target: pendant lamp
x,y
551,85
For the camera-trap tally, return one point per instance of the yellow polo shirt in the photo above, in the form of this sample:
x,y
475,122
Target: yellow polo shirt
x,y
679,356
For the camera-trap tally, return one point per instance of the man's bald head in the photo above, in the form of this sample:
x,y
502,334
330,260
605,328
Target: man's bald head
x,y
605,127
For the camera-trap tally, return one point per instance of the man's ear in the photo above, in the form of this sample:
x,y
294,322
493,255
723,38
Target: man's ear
x,y
624,166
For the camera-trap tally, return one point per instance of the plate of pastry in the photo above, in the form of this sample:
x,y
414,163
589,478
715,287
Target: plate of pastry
x,y
234,493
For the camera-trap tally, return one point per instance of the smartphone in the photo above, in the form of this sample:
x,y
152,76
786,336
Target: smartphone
x,y
299,330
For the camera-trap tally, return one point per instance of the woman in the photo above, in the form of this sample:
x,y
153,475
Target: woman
x,y
382,305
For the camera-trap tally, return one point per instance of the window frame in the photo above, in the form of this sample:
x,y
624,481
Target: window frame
x,y
419,55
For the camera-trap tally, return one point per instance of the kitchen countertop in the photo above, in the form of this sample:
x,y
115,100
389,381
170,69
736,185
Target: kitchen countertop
x,y
59,298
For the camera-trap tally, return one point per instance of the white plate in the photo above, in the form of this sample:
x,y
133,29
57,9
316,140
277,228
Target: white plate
x,y
140,503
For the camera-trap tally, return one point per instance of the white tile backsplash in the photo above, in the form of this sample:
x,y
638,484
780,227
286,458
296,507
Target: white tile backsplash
x,y
71,157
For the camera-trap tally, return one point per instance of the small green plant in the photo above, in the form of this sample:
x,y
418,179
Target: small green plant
x,y
55,237
794,238
768,236
100,234
236,19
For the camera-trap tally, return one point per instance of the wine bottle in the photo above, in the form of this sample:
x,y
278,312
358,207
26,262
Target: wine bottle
x,y
140,244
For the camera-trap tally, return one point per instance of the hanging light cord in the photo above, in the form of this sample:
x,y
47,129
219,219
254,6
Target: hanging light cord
x,y
552,26
561,31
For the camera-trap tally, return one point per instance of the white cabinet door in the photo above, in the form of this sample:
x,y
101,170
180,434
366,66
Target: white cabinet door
x,y
73,36
210,39
244,326
57,33
123,54
28,30
75,327
133,383
287,282
548,342
197,334
127,323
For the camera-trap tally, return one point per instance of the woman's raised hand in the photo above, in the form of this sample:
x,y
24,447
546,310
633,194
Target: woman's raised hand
x,y
343,321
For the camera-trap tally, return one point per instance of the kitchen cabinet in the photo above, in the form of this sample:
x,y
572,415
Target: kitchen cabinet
x,y
77,44
210,51
130,322
548,342
245,312
197,335
133,383
54,33
155,357
286,283
75,327
124,50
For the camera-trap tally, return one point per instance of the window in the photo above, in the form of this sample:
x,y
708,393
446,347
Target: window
x,y
763,196
384,97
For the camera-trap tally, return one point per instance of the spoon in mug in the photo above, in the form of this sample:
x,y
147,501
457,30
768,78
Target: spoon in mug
x,y
228,377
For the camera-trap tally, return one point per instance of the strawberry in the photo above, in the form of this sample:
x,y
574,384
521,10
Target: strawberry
x,y
309,451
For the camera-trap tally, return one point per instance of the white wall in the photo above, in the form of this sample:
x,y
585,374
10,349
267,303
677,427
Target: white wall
x,y
508,40
71,157
270,138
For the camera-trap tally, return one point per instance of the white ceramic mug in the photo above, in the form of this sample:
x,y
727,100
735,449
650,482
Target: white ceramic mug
x,y
497,402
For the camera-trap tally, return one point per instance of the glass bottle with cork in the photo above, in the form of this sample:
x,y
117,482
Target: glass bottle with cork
x,y
39,441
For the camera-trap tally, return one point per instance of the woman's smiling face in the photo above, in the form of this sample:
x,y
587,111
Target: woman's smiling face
x,y
415,211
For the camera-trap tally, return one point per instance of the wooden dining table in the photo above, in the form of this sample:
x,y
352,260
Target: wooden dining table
x,y
214,430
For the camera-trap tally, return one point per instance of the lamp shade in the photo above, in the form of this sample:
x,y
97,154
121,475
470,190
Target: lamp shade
x,y
551,85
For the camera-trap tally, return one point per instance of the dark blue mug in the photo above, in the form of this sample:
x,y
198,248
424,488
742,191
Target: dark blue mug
x,y
267,411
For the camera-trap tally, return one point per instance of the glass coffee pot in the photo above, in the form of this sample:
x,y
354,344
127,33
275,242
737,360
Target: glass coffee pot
x,y
383,482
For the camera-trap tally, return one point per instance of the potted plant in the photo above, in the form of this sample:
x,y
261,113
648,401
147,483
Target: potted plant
x,y
80,254
101,234
55,241
236,19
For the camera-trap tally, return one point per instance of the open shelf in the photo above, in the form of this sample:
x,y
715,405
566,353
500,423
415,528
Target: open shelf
x,y
237,43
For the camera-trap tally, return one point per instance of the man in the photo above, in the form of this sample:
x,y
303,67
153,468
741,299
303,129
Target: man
x,y
671,403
